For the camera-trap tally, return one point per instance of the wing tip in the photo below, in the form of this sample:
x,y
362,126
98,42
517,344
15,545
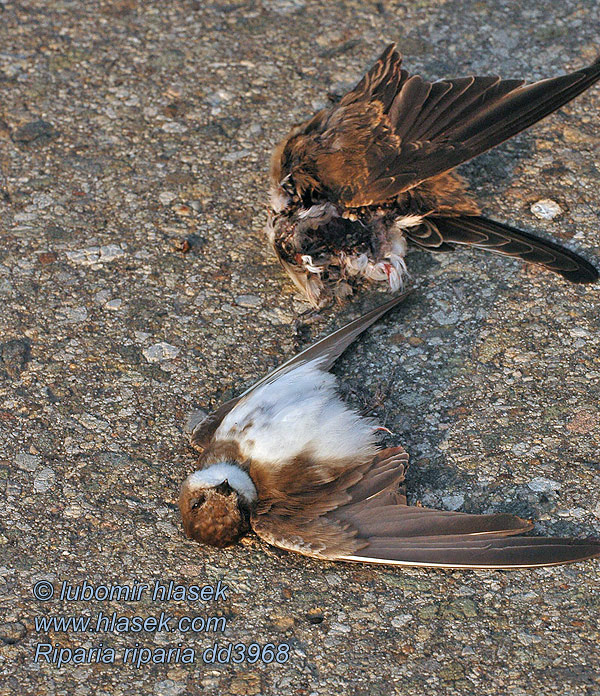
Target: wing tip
x,y
543,552
584,274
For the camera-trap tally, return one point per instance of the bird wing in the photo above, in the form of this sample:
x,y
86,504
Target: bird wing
x,y
441,234
323,353
395,130
361,517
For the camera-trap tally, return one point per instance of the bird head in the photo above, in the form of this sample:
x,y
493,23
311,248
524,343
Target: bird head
x,y
215,504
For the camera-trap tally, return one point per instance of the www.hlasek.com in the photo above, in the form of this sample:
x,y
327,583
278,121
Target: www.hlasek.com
x,y
119,623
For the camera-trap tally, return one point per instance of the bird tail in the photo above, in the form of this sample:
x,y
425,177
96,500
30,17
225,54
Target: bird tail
x,y
473,230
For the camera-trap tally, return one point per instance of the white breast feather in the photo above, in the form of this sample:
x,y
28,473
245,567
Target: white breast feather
x,y
300,412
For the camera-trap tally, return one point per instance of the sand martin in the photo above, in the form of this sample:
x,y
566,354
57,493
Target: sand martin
x,y
290,460
359,180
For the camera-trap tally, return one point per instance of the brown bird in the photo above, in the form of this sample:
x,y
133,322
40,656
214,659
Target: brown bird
x,y
357,181
291,461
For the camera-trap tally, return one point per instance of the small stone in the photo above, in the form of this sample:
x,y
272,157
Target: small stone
x,y
160,352
74,315
165,197
546,209
333,579
27,462
520,448
14,355
174,127
245,684
114,304
583,422
168,687
102,297
42,200
94,255
182,245
182,209
35,130
235,156
110,252
315,616
12,632
284,7
47,258
446,318
283,623
543,485
402,620
85,257
141,336
453,502
44,480
252,301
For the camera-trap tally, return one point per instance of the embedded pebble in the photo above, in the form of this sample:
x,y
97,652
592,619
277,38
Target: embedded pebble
x,y
73,315
543,485
160,351
546,209
168,687
14,355
453,502
44,480
12,632
165,197
174,127
248,301
27,462
34,130
402,620
95,255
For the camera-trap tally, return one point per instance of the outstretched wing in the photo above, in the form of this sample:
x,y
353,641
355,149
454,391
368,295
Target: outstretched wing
x,y
326,351
395,130
361,517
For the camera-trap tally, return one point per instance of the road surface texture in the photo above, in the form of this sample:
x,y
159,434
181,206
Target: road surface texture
x,y
135,285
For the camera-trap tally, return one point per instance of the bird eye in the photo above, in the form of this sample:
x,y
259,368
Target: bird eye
x,y
197,502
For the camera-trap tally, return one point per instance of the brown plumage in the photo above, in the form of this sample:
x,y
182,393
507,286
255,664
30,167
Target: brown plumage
x,y
353,184
288,459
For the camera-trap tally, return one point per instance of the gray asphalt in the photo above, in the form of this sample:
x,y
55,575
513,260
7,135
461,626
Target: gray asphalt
x,y
135,285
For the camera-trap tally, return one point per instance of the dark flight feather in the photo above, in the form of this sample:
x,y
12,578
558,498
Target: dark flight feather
x,y
377,526
434,127
472,230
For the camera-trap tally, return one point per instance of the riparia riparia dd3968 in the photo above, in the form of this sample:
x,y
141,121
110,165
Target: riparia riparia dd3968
x,y
290,460
356,182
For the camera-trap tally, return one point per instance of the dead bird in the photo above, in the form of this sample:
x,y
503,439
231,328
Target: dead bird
x,y
288,459
359,180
